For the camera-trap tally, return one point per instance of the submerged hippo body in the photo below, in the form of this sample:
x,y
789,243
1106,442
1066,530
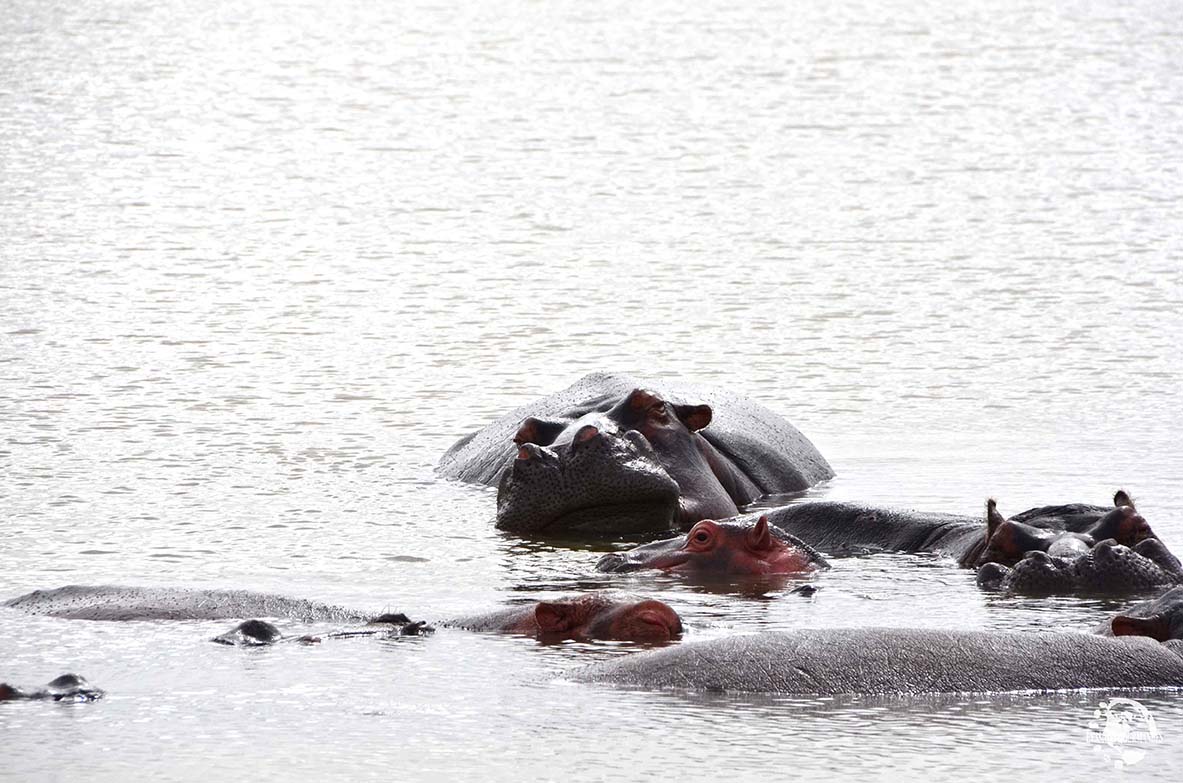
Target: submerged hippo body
x,y
897,661
721,549
107,602
593,616
68,687
838,528
1148,654
260,633
614,453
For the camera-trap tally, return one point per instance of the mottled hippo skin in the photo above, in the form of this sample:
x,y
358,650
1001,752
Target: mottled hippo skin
x,y
614,453
68,687
909,661
721,549
1108,568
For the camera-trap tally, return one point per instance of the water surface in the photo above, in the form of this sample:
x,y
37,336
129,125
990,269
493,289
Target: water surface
x,y
260,264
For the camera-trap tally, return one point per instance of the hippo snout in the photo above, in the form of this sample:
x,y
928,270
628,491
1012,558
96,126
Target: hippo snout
x,y
612,563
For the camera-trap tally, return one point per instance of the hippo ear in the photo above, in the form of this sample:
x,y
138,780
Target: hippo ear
x,y
1122,498
1155,627
554,617
993,518
540,432
695,417
759,537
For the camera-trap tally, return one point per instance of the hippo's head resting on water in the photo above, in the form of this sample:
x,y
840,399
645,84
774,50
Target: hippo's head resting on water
x,y
721,549
1060,531
1109,568
594,616
1160,619
615,454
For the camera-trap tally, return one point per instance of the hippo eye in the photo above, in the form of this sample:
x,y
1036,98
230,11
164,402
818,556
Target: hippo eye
x,y
701,537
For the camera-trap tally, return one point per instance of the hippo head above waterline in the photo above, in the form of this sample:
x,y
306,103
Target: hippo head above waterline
x,y
613,454
721,549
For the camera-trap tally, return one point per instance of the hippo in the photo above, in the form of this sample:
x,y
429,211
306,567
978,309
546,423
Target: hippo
x,y
595,616
1141,650
1060,531
260,633
721,549
1108,568
579,617
843,528
107,602
68,687
1160,619
618,454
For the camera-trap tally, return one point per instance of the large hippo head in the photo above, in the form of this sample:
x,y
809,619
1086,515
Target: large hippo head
x,y
721,549
1066,535
612,454
639,465
1108,568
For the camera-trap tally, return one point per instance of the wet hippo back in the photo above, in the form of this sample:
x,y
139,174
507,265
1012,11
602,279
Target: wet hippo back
x,y
897,660
105,602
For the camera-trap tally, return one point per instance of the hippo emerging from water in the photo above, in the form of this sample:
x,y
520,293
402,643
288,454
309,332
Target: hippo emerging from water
x,y
584,617
722,549
615,454
1059,542
908,660
68,687
597,616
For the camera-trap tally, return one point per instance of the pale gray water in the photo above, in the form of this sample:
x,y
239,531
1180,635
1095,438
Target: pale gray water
x,y
261,263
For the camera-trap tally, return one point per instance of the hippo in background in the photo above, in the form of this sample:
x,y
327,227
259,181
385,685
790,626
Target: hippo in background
x,y
1057,560
852,528
617,454
68,687
721,549
1146,653
1108,568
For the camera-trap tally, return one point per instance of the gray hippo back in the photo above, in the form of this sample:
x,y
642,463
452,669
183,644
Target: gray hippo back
x,y
106,602
897,660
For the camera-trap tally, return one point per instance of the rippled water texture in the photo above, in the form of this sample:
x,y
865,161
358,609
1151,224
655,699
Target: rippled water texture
x,y
261,263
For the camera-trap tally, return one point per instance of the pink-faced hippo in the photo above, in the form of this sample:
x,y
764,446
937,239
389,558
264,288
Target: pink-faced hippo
x,y
594,616
721,549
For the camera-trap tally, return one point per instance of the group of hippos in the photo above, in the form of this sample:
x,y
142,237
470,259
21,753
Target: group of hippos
x,y
614,456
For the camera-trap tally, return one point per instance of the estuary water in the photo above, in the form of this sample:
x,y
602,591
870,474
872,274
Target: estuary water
x,y
262,263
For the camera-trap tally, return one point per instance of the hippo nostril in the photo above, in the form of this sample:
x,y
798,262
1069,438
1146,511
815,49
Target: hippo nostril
x,y
613,561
